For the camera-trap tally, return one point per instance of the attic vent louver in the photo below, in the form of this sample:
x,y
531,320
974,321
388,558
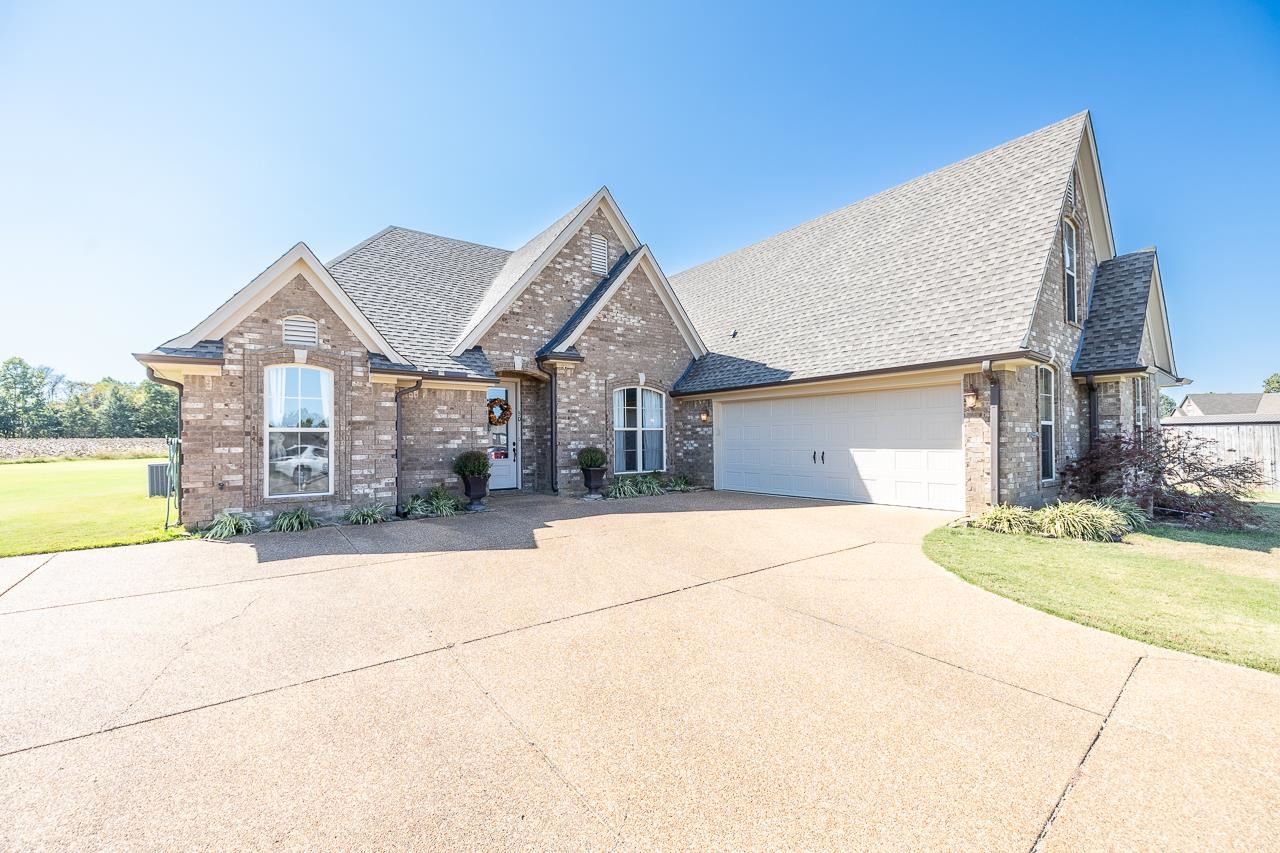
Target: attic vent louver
x,y
599,255
301,331
1071,194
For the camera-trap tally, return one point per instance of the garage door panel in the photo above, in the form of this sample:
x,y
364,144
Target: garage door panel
x,y
900,446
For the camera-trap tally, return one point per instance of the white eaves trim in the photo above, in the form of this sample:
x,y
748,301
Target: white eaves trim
x,y
298,260
644,258
1158,321
1095,193
603,201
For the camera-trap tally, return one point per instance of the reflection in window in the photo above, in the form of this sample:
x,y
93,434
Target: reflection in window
x,y
299,430
639,430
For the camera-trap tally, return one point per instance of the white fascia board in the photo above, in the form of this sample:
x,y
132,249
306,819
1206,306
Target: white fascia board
x,y
1157,290
299,259
602,199
1095,193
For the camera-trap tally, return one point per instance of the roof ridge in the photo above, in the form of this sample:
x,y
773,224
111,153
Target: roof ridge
x,y
919,178
368,240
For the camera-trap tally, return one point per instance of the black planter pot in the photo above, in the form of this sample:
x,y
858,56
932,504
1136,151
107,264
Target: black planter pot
x,y
593,479
477,489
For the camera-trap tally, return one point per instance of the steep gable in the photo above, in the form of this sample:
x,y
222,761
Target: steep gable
x,y
943,268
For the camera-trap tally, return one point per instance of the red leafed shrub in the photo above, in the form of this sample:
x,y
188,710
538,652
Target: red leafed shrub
x,y
1169,472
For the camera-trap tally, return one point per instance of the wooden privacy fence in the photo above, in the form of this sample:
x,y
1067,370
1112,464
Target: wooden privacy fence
x,y
1260,441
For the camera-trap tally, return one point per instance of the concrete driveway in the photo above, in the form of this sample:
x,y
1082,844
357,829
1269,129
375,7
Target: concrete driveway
x,y
704,671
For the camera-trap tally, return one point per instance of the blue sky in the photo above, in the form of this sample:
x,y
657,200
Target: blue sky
x,y
155,158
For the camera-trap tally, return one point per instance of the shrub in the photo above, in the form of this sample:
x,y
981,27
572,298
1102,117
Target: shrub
x,y
294,520
592,457
622,487
472,463
368,514
1134,517
436,503
649,484
678,483
228,524
1007,519
1168,471
1080,520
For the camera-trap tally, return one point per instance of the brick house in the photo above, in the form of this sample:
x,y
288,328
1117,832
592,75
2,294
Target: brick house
x,y
947,343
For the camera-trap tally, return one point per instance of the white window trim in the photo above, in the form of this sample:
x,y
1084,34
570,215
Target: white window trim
x,y
1140,405
1051,422
268,429
1070,271
284,334
639,429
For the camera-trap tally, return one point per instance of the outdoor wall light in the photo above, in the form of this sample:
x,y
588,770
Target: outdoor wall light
x,y
704,416
971,398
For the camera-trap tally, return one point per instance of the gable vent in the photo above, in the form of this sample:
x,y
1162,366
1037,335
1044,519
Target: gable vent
x,y
301,331
599,254
1071,194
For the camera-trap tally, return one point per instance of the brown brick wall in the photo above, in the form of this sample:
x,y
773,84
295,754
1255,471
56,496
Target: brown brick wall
x,y
439,424
1052,335
224,426
692,441
632,334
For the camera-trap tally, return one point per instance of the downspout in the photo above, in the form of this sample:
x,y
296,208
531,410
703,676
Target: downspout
x,y
1093,410
551,388
400,392
995,431
172,383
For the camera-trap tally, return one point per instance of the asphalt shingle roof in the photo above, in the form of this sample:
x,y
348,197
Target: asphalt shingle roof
x,y
1252,418
420,291
1235,404
944,267
1117,314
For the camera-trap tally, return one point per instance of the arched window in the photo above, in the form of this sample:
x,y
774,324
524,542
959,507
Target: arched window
x,y
1048,422
1071,292
299,415
639,430
301,331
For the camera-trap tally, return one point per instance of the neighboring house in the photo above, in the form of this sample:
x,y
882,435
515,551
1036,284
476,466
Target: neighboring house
x,y
868,355
1242,426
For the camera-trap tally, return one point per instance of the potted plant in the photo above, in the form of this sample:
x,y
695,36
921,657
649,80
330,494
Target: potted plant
x,y
473,467
592,461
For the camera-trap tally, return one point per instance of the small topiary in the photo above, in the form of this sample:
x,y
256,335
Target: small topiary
x,y
369,514
228,524
471,463
592,457
1007,519
294,520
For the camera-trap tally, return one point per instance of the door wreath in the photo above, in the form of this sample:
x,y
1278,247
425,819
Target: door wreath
x,y
499,411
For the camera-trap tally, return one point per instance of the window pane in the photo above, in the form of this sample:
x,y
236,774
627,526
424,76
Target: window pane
x,y
652,450
1046,452
630,417
624,450
617,407
298,463
309,382
652,409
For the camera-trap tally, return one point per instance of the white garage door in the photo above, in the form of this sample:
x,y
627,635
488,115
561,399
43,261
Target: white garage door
x,y
892,447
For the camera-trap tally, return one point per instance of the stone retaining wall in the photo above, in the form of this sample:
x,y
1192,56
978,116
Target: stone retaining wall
x,y
30,448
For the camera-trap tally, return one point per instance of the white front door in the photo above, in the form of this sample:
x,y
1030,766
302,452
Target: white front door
x,y
504,450
899,446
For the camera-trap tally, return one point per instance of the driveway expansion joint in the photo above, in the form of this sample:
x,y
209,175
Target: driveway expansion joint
x,y
1074,779
37,568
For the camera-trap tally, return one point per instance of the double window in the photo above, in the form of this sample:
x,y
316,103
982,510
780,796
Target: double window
x,y
1070,292
1048,422
639,430
299,402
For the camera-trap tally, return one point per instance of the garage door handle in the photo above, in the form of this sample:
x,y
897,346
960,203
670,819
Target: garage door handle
x,y
815,457
824,457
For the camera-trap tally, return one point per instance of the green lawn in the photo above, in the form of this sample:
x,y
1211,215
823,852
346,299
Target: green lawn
x,y
63,506
1208,593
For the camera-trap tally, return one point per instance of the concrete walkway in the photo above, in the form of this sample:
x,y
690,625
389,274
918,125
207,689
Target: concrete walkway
x,y
705,671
